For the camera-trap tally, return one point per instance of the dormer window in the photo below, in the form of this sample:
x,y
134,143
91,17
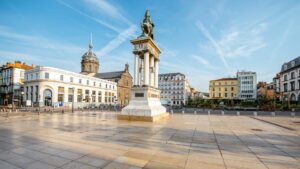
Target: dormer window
x,y
293,63
285,67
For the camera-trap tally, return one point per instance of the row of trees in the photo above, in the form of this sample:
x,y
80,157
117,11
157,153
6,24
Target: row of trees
x,y
267,105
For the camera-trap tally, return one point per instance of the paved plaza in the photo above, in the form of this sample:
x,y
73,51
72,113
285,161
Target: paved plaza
x,y
88,140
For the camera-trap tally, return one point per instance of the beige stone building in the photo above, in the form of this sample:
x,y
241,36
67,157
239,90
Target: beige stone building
x,y
225,88
265,91
124,84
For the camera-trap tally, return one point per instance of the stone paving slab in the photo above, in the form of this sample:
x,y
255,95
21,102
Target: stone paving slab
x,y
97,140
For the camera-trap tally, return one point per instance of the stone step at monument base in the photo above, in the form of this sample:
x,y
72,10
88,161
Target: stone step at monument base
x,y
145,105
149,110
155,118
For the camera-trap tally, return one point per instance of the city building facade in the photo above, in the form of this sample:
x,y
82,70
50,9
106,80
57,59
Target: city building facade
x,y
225,88
48,86
271,94
266,91
175,89
247,82
276,82
288,81
124,84
200,95
11,82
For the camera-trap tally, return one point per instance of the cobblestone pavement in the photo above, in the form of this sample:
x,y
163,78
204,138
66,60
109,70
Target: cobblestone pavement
x,y
97,140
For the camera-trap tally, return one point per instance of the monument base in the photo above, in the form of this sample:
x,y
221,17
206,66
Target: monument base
x,y
145,105
144,118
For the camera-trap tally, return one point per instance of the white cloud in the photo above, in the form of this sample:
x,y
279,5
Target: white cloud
x,y
39,42
203,61
167,53
284,36
36,49
5,32
242,42
122,37
107,8
236,42
214,43
169,66
12,56
103,23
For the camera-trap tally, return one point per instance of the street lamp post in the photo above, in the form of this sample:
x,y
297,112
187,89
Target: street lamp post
x,y
73,89
39,97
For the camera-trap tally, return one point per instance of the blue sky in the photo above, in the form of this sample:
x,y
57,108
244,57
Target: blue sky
x,y
203,39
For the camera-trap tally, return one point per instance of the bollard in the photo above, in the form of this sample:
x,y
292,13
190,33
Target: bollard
x,y
238,113
293,114
208,112
222,113
255,113
195,112
273,114
172,112
103,116
182,111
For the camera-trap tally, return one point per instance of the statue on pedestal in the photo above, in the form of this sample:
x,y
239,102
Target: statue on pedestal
x,y
147,26
145,104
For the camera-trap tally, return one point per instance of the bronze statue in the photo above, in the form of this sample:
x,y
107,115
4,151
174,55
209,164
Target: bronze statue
x,y
147,26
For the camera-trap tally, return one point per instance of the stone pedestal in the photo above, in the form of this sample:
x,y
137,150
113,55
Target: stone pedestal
x,y
145,102
145,105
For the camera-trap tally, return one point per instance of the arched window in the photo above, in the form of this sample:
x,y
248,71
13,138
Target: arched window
x,y
293,97
90,67
47,97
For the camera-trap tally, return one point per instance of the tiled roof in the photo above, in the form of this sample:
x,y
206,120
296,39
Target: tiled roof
x,y
171,74
109,75
224,79
291,64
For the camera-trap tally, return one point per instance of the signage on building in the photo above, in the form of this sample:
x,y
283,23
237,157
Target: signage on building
x,y
28,102
60,104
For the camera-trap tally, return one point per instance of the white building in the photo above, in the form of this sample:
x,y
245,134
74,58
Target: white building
x,y
11,82
175,89
287,81
246,84
48,86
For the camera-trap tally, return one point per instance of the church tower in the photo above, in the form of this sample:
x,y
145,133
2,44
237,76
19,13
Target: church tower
x,y
89,62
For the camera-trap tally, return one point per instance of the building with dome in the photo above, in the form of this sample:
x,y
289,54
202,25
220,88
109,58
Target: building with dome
x,y
89,62
90,66
49,86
